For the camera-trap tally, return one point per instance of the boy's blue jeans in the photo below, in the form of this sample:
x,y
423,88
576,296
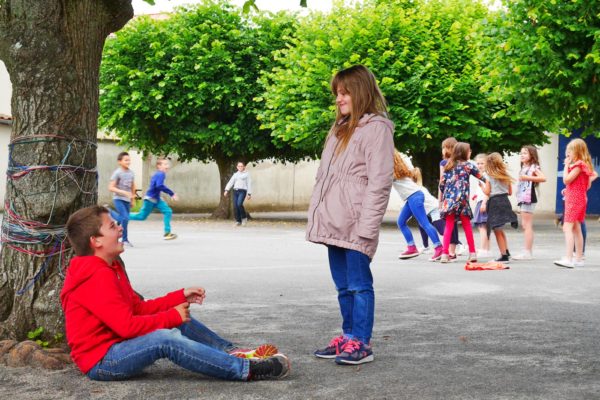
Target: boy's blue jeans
x,y
239,195
147,208
415,207
121,215
192,346
351,273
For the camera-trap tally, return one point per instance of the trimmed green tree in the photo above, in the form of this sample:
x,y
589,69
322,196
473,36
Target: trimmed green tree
x,y
186,86
545,59
426,56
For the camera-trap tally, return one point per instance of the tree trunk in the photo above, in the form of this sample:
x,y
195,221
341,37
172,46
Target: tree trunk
x,y
226,170
52,50
429,163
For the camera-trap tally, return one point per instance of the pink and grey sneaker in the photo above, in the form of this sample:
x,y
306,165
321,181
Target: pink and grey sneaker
x,y
333,349
355,352
410,252
262,351
437,253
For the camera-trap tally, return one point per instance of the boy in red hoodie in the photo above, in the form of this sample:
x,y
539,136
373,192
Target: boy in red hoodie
x,y
114,335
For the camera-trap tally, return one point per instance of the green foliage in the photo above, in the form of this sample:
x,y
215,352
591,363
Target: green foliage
x,y
545,57
425,55
186,85
38,334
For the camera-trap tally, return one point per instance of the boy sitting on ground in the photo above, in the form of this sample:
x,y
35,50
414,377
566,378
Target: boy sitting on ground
x,y
114,335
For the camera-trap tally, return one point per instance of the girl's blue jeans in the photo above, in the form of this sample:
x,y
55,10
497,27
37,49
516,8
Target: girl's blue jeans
x,y
239,195
192,346
351,273
147,208
121,215
414,208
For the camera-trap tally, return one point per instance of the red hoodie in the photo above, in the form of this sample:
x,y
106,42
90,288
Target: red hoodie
x,y
102,309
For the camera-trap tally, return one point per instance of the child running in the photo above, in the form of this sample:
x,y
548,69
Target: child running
x,y
122,186
432,208
480,215
577,174
454,187
498,187
349,200
410,192
152,198
530,176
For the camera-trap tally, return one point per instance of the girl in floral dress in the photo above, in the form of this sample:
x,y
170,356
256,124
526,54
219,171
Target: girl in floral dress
x,y
576,176
454,187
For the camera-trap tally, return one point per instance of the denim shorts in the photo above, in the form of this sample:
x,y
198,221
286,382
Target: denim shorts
x,y
527,208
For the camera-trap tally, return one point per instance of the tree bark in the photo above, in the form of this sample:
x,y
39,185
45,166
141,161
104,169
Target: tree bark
x,y
52,50
226,170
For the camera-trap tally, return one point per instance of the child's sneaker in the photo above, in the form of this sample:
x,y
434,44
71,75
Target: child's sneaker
x,y
333,348
563,262
276,367
504,258
460,249
483,253
437,253
578,263
262,351
525,256
472,257
169,236
425,250
244,221
445,258
410,252
355,352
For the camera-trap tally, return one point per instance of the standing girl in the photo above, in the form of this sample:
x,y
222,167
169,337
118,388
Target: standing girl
x,y
576,176
498,187
349,200
529,177
410,192
242,190
480,216
447,149
454,187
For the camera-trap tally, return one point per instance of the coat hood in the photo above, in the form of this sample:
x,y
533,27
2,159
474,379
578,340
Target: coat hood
x,y
371,118
81,268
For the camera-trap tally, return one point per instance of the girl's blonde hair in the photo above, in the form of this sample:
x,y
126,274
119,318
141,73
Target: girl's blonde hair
x,y
359,82
496,168
401,170
448,146
459,153
418,176
580,152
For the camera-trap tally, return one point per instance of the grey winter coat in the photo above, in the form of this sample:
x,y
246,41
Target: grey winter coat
x,y
352,190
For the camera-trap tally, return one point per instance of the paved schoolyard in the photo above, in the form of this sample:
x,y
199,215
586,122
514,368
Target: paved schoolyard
x,y
530,332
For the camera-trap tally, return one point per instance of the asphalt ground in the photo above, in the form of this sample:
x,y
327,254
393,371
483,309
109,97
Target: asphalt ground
x,y
441,332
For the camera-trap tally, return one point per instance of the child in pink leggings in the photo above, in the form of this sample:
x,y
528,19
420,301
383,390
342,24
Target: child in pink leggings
x,y
454,187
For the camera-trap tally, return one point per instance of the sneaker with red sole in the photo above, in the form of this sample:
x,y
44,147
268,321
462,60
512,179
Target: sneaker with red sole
x,y
262,351
410,252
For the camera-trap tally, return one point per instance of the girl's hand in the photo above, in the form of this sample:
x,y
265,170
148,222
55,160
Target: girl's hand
x,y
483,207
567,161
194,294
523,178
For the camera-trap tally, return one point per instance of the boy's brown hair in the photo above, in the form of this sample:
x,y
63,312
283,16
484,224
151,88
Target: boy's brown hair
x,y
82,225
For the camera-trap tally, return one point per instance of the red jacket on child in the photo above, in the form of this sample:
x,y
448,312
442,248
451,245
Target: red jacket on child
x,y
102,309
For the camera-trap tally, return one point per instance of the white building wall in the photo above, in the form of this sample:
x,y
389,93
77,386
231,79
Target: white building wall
x,y
5,90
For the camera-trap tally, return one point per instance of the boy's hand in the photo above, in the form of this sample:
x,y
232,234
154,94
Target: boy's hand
x,y
184,311
194,294
175,197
